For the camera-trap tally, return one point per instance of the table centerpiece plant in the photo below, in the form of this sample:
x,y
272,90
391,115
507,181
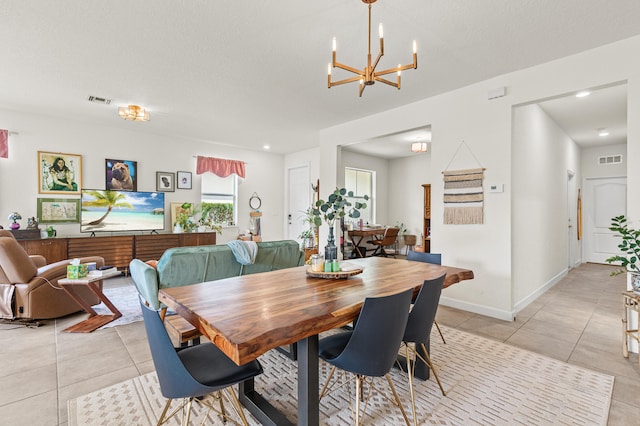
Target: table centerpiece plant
x,y
630,248
336,207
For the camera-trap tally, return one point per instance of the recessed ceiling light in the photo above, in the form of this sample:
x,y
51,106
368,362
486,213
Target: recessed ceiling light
x,y
603,132
266,147
583,94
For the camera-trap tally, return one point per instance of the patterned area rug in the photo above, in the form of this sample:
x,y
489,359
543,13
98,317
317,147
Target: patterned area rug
x,y
487,383
125,297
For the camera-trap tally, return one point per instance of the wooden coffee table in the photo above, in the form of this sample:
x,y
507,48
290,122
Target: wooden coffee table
x,y
94,321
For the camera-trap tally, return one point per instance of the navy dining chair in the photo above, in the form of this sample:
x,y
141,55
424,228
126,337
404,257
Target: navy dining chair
x,y
371,348
193,372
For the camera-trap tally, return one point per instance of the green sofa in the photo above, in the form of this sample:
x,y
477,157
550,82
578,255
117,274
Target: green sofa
x,y
190,265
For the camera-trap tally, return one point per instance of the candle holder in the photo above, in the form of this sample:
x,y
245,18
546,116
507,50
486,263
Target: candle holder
x,y
15,216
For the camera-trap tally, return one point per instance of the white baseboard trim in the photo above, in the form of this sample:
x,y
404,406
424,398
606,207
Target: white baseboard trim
x,y
533,296
477,309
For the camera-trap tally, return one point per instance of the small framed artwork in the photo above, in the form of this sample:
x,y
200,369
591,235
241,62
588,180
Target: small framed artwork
x,y
184,180
165,181
121,175
59,173
176,209
58,210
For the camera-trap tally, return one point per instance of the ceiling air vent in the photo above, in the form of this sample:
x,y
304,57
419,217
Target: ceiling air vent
x,y
99,100
610,159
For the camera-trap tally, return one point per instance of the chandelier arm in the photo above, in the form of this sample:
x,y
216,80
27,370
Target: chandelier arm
x,y
392,70
385,81
346,80
348,68
375,64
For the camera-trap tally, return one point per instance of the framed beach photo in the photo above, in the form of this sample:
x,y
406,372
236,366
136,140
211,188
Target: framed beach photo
x,y
58,210
59,173
121,175
165,181
184,180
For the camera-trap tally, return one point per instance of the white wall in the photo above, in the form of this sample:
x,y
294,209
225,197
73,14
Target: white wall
x,y
485,126
542,154
591,168
19,173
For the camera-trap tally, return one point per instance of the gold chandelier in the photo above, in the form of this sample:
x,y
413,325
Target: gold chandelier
x,y
369,75
134,113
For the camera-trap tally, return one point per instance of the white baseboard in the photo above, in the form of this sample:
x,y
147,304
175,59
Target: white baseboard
x,y
520,305
477,309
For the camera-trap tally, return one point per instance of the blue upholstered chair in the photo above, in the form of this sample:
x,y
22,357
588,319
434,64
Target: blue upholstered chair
x,y
418,331
193,372
371,348
436,259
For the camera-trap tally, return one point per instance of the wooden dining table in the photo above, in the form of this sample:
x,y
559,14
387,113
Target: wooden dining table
x,y
248,315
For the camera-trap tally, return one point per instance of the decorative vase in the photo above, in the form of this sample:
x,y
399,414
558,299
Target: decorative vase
x,y
330,250
15,225
177,229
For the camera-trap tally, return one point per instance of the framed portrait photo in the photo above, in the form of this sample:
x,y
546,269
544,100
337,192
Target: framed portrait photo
x,y
59,173
58,210
184,180
121,175
165,181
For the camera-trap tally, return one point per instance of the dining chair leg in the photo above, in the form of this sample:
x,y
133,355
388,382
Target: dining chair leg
x,y
430,364
358,397
237,406
164,412
397,398
410,372
439,331
326,383
187,414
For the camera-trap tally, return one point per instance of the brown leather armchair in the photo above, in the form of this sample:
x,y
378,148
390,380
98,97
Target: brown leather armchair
x,y
28,284
389,239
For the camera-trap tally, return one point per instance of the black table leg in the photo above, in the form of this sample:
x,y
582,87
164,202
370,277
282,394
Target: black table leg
x,y
308,382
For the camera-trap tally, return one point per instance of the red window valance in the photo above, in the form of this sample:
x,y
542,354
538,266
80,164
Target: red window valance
x,y
220,167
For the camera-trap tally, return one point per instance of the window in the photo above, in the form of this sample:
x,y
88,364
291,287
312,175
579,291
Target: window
x,y
361,182
220,198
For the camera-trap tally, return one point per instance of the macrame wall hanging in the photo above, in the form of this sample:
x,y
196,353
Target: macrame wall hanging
x,y
463,193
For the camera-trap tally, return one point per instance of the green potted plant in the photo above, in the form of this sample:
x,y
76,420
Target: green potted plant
x,y
337,206
630,247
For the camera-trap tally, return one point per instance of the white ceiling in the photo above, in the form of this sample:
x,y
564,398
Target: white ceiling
x,y
253,72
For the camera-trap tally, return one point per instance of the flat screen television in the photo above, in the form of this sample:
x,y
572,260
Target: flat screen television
x,y
116,211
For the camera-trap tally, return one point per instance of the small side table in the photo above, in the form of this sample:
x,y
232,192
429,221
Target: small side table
x,y
631,302
94,321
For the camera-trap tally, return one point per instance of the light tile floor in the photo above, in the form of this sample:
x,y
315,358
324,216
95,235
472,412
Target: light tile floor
x,y
577,321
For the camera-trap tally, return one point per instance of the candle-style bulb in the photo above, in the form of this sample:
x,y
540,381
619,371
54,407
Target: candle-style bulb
x,y
329,69
380,30
415,47
334,44
399,70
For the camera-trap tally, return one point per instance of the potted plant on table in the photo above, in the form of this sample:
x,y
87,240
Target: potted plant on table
x,y
337,206
630,247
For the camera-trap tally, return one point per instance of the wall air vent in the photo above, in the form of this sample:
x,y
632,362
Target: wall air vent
x,y
610,159
99,100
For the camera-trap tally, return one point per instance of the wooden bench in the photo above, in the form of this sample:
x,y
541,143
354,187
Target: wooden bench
x,y
181,331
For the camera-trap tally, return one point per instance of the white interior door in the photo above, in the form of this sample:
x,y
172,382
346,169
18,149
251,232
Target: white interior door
x,y
603,199
299,197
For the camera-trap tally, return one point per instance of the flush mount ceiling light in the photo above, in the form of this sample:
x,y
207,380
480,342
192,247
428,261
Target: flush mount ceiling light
x,y
603,132
133,113
369,75
419,147
583,94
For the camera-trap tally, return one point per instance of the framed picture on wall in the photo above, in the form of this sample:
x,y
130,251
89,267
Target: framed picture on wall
x,y
184,180
58,210
121,175
165,181
59,173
